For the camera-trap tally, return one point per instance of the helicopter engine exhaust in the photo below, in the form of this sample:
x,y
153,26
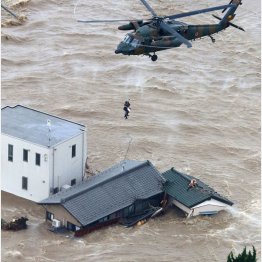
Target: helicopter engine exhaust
x,y
133,25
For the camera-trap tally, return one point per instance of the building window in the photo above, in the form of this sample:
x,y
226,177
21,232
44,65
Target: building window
x,y
10,152
73,151
73,182
37,159
104,219
25,155
49,216
112,216
24,182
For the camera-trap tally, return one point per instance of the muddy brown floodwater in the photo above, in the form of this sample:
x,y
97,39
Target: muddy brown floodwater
x,y
195,109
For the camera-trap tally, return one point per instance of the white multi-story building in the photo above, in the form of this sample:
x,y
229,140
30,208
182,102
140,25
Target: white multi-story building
x,y
40,153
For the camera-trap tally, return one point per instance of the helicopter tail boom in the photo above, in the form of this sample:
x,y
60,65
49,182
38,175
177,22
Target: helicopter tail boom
x,y
231,24
230,14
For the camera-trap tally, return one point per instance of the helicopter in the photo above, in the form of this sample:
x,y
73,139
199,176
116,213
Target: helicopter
x,y
160,33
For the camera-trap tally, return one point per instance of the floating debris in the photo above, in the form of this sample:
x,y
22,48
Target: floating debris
x,y
8,8
15,225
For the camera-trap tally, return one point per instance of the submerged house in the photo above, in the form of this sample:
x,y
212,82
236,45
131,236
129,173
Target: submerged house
x,y
127,189
40,153
198,199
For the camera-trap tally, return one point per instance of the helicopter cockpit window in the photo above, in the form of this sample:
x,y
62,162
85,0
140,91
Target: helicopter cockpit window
x,y
135,43
131,41
128,39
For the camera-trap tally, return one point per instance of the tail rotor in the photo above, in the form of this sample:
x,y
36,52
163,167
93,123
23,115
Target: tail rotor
x,y
238,2
229,16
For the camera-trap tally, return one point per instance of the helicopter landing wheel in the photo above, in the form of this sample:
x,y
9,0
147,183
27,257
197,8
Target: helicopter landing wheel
x,y
213,39
154,58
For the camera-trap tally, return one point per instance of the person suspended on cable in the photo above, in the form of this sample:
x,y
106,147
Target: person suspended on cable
x,y
127,108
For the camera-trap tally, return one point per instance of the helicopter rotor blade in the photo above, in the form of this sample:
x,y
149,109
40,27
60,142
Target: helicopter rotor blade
x,y
106,21
149,8
169,29
198,11
226,7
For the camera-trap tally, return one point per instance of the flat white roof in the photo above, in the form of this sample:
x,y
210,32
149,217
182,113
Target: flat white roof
x,y
31,125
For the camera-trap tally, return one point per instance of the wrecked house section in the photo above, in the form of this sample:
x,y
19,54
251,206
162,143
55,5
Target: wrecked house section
x,y
129,193
125,193
193,196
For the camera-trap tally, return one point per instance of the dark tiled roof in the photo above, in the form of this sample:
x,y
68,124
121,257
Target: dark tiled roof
x,y
177,184
110,191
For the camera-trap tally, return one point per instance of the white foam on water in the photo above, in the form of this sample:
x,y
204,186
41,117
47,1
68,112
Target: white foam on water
x,y
14,254
249,218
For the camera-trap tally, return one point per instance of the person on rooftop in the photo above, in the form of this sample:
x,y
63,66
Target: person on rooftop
x,y
192,184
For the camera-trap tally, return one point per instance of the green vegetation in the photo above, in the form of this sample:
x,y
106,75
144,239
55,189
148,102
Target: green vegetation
x,y
2,222
243,257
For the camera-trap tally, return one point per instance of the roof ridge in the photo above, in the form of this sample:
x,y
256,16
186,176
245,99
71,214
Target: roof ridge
x,y
180,173
63,200
189,178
